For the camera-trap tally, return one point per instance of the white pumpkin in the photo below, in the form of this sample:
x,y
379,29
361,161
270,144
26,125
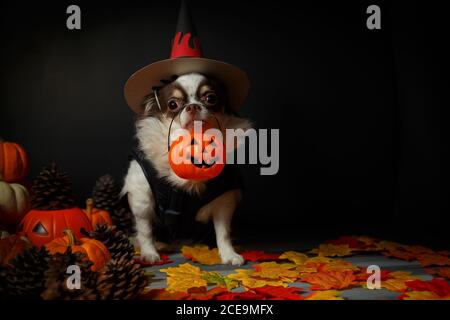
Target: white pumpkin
x,y
14,203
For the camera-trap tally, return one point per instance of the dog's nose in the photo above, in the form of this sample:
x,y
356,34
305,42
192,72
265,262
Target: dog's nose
x,y
192,108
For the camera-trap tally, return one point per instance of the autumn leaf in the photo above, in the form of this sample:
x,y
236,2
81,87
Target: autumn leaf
x,y
352,241
325,280
399,254
223,281
306,268
249,280
202,254
273,270
397,279
184,277
367,240
203,294
199,293
444,253
164,260
318,260
324,295
162,294
258,255
418,249
433,259
443,272
362,275
338,265
331,250
421,295
279,293
388,246
437,286
294,256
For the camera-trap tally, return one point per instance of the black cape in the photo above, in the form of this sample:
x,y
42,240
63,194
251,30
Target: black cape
x,y
176,209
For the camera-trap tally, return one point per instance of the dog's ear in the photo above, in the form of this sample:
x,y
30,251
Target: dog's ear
x,y
150,106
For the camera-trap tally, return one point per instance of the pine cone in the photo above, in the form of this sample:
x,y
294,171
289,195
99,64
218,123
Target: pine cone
x,y
24,277
121,279
106,193
123,219
115,240
56,276
52,190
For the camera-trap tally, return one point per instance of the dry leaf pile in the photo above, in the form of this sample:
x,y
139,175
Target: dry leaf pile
x,y
319,274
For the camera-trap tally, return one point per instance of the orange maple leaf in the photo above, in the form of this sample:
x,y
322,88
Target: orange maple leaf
x,y
273,270
331,250
326,280
202,254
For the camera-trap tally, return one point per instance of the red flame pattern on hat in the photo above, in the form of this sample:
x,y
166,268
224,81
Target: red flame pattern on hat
x,y
181,48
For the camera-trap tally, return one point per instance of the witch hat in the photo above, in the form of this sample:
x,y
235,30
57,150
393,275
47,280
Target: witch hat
x,y
186,56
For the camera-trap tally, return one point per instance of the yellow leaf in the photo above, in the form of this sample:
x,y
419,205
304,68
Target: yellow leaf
x,y
339,265
294,256
247,278
331,250
202,254
325,295
273,270
184,277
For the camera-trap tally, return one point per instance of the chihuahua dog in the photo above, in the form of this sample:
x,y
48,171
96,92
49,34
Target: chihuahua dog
x,y
190,97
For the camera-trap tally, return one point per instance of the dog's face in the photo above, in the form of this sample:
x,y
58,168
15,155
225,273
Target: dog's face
x,y
191,97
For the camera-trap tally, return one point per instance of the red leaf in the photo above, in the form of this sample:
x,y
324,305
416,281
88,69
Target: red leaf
x,y
438,286
164,260
352,242
279,293
258,255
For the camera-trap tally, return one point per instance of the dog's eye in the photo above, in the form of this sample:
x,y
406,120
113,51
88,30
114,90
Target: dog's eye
x,y
210,98
173,105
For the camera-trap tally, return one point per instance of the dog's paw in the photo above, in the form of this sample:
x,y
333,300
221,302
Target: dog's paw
x,y
150,257
232,258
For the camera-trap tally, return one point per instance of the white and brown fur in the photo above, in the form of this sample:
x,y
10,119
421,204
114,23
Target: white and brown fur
x,y
152,131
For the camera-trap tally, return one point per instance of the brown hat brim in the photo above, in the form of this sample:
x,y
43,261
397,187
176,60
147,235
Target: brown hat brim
x,y
140,84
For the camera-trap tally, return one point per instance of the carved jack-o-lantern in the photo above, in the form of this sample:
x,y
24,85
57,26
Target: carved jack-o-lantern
x,y
42,226
199,155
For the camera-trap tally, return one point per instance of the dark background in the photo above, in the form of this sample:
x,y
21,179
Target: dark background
x,y
358,110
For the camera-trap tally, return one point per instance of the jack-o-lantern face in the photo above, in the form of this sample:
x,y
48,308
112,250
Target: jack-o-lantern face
x,y
198,155
42,226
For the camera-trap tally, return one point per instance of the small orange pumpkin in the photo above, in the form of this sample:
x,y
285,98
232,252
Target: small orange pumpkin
x,y
97,216
93,249
14,164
